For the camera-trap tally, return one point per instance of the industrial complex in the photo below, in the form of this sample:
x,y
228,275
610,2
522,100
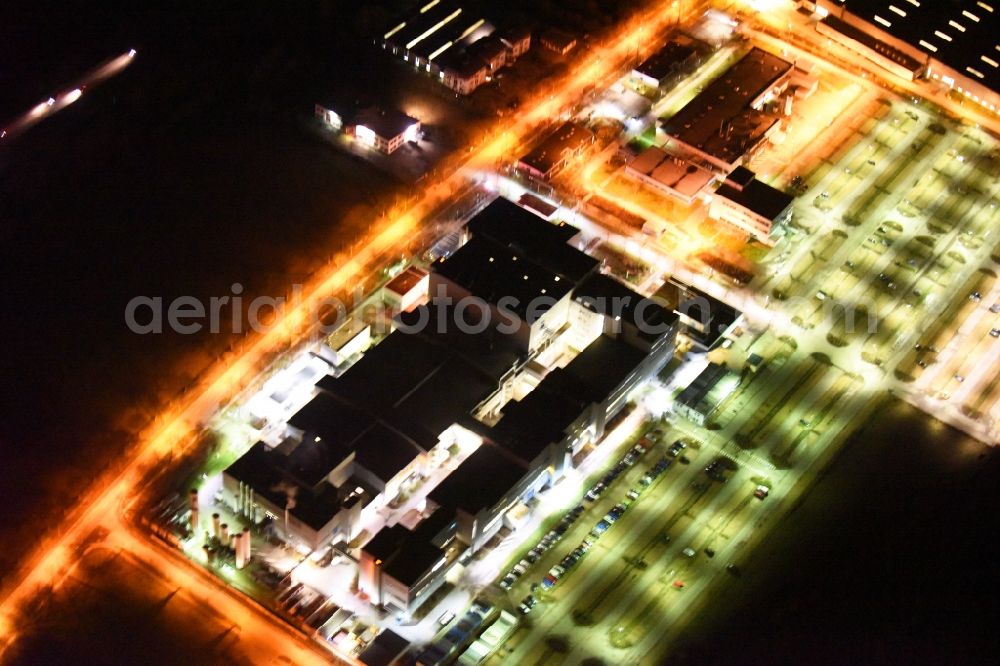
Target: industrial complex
x,y
498,381
450,42
599,349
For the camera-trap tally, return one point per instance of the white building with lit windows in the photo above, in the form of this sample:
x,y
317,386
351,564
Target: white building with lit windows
x,y
385,130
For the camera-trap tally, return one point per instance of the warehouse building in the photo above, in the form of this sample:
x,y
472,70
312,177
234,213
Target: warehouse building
x,y
667,65
753,207
552,155
725,122
523,394
669,174
453,44
952,43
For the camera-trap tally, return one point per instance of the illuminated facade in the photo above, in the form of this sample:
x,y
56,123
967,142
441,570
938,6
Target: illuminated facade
x,y
385,130
453,44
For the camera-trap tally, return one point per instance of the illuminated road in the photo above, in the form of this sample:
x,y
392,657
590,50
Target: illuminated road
x,y
171,435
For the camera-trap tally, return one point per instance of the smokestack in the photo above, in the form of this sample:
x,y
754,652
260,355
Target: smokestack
x,y
238,547
194,520
193,498
224,534
245,544
216,525
209,553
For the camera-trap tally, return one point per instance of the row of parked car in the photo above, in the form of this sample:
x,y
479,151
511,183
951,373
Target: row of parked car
x,y
551,538
627,461
568,562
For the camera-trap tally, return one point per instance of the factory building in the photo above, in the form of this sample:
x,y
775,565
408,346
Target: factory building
x,y
667,65
753,207
705,321
552,155
669,174
951,43
726,121
453,44
527,391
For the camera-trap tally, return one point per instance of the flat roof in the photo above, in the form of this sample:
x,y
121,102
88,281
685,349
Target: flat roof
x,y
758,197
666,61
267,471
385,451
421,383
387,372
386,123
384,650
537,420
720,121
600,368
971,47
347,332
405,555
337,424
480,481
607,296
492,271
534,203
673,173
874,43
568,136
406,281
683,298
543,242
491,352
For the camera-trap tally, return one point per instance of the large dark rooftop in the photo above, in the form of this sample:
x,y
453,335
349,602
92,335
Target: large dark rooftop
x,y
758,197
480,481
551,151
970,30
422,383
720,120
266,471
537,420
607,296
598,370
492,271
337,424
526,233
667,61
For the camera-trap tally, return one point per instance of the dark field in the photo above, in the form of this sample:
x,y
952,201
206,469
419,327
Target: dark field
x,y
191,170
115,611
890,558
